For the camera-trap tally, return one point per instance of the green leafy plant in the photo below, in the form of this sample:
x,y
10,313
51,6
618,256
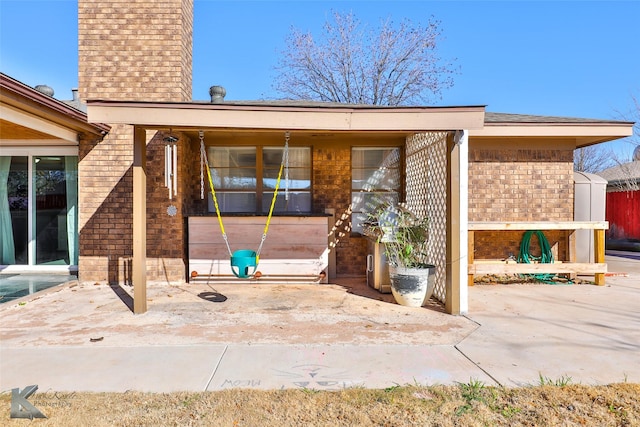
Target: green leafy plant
x,y
563,381
403,234
472,391
510,411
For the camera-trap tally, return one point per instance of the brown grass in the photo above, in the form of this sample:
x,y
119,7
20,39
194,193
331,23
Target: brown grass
x,y
471,404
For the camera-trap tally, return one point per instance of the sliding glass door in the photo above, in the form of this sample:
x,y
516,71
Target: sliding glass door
x,y
39,208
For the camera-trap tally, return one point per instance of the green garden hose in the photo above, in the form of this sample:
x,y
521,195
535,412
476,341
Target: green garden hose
x,y
546,256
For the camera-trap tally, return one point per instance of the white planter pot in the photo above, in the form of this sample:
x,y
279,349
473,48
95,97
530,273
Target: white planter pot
x,y
412,287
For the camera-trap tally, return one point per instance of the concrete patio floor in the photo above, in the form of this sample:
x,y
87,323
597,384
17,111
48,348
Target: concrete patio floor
x,y
83,337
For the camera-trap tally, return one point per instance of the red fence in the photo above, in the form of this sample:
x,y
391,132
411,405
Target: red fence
x,y
623,214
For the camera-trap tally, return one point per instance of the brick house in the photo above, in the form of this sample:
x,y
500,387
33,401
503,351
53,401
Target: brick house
x,y
452,164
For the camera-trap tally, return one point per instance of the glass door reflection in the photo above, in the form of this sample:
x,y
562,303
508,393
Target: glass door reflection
x,y
50,213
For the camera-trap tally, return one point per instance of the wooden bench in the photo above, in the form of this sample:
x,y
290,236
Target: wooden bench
x,y
598,268
296,248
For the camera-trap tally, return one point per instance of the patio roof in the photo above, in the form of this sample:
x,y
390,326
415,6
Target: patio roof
x,y
285,116
238,117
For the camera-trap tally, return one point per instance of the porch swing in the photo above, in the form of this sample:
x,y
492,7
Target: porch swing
x,y
244,262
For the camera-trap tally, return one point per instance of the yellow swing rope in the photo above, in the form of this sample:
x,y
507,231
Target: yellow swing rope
x,y
203,153
285,157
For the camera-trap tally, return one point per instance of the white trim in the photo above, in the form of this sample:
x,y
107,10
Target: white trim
x,y
55,150
463,143
43,269
54,142
31,219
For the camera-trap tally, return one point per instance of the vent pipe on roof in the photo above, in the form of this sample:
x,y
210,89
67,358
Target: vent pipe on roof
x,y
44,89
74,92
217,94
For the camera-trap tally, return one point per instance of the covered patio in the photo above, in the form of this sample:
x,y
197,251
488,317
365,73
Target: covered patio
x,y
434,142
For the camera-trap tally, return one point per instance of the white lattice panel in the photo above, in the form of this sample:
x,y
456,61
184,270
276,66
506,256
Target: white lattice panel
x,y
426,190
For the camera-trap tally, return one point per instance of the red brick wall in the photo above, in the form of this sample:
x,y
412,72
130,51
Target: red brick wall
x,y
131,50
332,189
519,184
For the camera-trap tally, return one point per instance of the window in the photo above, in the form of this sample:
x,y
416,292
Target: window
x,y
375,179
235,172
295,184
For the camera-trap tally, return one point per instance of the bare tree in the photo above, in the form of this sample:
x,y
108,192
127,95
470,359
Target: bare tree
x,y
351,63
625,174
592,159
633,115
598,158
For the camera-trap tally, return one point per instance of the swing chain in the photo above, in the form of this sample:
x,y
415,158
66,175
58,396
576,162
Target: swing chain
x,y
264,237
201,133
203,154
286,170
285,158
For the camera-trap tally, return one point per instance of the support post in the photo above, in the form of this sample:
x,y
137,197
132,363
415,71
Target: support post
x,y
470,252
598,253
572,249
139,269
457,300
331,243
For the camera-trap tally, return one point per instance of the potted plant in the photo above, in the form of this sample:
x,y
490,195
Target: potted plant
x,y
404,237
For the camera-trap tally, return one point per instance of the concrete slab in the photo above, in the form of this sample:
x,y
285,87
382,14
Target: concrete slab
x,y
621,263
335,367
109,369
588,333
265,314
83,337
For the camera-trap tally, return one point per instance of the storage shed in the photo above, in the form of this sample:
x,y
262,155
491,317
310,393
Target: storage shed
x,y
589,205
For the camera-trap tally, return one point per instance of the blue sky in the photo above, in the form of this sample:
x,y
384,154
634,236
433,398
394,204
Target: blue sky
x,y
567,58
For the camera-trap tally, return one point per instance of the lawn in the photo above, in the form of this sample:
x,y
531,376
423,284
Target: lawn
x,y
548,403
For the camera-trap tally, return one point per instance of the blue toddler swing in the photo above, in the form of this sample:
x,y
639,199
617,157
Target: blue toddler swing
x,y
244,262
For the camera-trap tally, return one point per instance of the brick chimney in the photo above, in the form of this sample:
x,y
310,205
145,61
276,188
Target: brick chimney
x,y
134,50
139,50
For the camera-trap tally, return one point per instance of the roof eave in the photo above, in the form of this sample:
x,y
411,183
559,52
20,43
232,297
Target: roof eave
x,y
585,134
244,116
19,96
